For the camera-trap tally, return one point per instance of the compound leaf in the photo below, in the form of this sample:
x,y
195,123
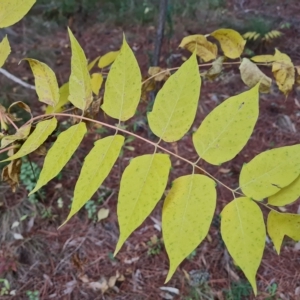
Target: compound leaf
x,y
123,85
187,213
232,43
204,49
281,224
60,153
97,80
80,81
270,171
226,130
36,139
243,231
286,195
252,75
4,50
108,59
176,103
96,167
142,185
45,82
12,11
63,99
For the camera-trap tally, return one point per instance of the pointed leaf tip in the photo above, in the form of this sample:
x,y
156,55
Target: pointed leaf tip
x,y
60,153
36,139
142,185
176,103
80,86
4,50
281,224
96,167
227,128
187,213
45,82
270,171
243,231
123,86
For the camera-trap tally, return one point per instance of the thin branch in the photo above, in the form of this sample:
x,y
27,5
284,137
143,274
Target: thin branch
x,y
176,68
12,122
136,136
16,79
7,149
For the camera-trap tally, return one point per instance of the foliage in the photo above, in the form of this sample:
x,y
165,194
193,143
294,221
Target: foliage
x,y
238,291
191,200
32,295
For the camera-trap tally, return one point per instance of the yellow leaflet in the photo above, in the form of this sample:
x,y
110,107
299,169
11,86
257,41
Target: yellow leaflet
x,y
21,134
63,99
97,80
142,185
45,82
205,49
281,224
92,63
80,82
97,165
243,231
36,139
176,103
252,75
12,11
263,58
284,72
270,171
286,195
60,153
108,59
186,217
232,43
4,50
123,86
226,130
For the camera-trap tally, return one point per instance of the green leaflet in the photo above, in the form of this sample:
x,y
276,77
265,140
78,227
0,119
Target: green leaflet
x,y
63,99
123,86
186,217
45,82
243,231
36,139
12,11
226,130
281,224
286,195
60,153
142,185
96,80
93,63
80,81
96,167
270,171
107,59
176,103
4,50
